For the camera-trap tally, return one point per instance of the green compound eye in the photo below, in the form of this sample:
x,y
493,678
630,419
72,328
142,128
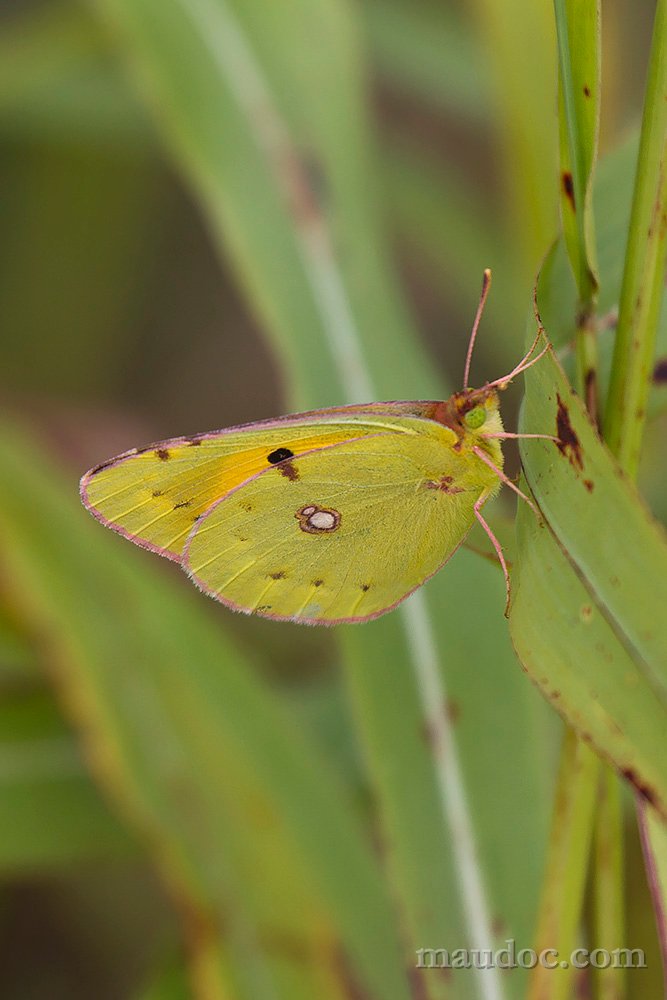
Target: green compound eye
x,y
475,418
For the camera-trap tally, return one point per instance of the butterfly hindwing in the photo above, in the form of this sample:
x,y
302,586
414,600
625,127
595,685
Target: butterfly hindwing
x,y
348,534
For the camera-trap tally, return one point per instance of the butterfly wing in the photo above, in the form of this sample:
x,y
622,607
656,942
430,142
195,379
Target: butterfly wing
x,y
353,530
154,495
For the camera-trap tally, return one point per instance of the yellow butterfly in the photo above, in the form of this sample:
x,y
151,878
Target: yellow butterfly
x,y
329,516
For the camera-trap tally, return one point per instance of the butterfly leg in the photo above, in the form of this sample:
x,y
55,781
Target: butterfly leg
x,y
481,454
507,435
497,546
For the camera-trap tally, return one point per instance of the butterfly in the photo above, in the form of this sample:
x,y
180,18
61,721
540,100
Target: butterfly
x,y
330,516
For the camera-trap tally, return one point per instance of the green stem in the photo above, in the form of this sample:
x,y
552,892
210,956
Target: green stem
x,y
639,309
579,772
573,140
643,277
567,866
608,885
578,33
587,365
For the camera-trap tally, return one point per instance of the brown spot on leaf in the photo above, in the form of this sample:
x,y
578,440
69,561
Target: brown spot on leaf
x,y
568,442
591,394
453,711
498,927
589,484
417,980
163,454
660,371
642,787
302,184
568,187
281,943
587,90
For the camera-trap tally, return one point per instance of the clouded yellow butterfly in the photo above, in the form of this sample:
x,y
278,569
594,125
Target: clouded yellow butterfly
x,y
323,517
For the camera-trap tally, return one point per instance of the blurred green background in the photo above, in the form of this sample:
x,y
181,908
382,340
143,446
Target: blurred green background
x,y
126,318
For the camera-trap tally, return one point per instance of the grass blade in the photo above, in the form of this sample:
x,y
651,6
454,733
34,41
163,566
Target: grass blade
x,y
213,776
644,274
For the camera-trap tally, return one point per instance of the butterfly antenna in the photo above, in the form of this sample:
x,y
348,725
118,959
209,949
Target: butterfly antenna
x,y
527,361
486,283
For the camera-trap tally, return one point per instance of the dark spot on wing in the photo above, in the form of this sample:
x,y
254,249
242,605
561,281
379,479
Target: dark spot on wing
x,y
247,507
183,503
568,443
196,518
281,458
280,575
288,470
317,583
444,485
157,493
316,520
365,587
568,187
279,455
263,608
163,454
192,442
660,371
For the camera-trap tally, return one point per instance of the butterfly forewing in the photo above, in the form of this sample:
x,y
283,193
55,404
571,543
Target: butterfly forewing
x,y
154,496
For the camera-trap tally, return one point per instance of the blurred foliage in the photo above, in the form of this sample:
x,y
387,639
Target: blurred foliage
x,y
198,804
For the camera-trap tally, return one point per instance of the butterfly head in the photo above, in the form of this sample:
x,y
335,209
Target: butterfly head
x,y
471,412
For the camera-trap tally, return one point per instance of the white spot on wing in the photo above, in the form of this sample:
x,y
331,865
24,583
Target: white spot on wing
x,y
322,519
316,520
